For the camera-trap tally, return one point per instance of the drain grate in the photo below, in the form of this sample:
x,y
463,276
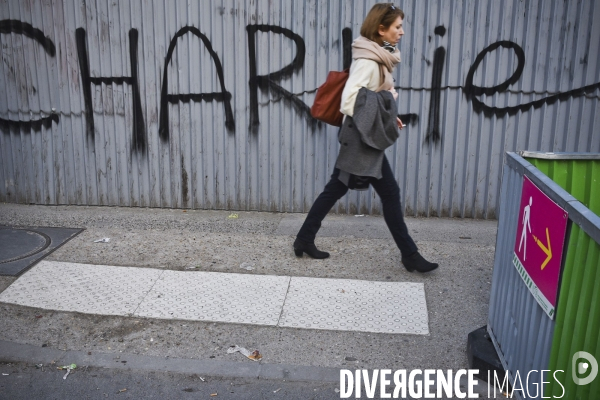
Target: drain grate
x,y
22,247
16,241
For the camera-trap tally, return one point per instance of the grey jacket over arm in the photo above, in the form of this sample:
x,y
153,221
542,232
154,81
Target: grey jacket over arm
x,y
366,135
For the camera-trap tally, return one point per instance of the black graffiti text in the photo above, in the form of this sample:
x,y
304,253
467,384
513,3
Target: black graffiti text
x,y
139,127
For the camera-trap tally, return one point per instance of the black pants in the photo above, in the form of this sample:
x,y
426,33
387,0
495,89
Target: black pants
x,y
389,192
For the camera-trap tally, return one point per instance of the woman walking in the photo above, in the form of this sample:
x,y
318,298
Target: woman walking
x,y
370,126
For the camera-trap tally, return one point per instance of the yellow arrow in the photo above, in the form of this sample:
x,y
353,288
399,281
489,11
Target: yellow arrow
x,y
546,250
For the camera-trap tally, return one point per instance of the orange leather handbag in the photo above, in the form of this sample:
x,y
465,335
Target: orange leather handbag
x,y
326,106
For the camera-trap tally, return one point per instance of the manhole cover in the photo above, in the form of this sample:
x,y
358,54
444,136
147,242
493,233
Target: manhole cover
x,y
21,243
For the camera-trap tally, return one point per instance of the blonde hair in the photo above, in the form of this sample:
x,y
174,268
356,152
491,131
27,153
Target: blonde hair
x,y
380,14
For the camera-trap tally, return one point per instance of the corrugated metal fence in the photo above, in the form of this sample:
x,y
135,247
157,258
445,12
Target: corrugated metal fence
x,y
529,342
204,104
578,314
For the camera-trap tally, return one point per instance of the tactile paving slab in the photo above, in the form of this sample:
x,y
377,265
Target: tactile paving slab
x,y
294,302
90,289
217,296
354,305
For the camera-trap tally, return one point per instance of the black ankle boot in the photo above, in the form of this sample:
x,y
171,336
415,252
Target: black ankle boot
x,y
301,246
416,262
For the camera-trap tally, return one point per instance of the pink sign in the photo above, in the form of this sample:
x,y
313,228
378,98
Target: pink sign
x,y
539,244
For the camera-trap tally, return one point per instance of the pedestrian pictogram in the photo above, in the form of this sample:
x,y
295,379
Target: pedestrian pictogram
x,y
526,226
539,244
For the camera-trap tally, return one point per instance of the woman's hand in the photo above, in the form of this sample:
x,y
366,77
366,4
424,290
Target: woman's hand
x,y
398,120
395,94
400,124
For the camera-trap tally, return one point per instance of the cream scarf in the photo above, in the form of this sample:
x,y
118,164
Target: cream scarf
x,y
365,48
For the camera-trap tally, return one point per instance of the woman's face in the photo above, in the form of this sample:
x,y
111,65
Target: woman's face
x,y
393,33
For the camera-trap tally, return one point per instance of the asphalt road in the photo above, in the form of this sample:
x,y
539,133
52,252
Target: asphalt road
x,y
21,381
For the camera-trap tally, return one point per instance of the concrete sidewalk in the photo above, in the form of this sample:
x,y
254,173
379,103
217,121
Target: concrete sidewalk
x,y
199,242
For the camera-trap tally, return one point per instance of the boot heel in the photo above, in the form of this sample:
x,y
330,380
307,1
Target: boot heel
x,y
416,262
310,249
